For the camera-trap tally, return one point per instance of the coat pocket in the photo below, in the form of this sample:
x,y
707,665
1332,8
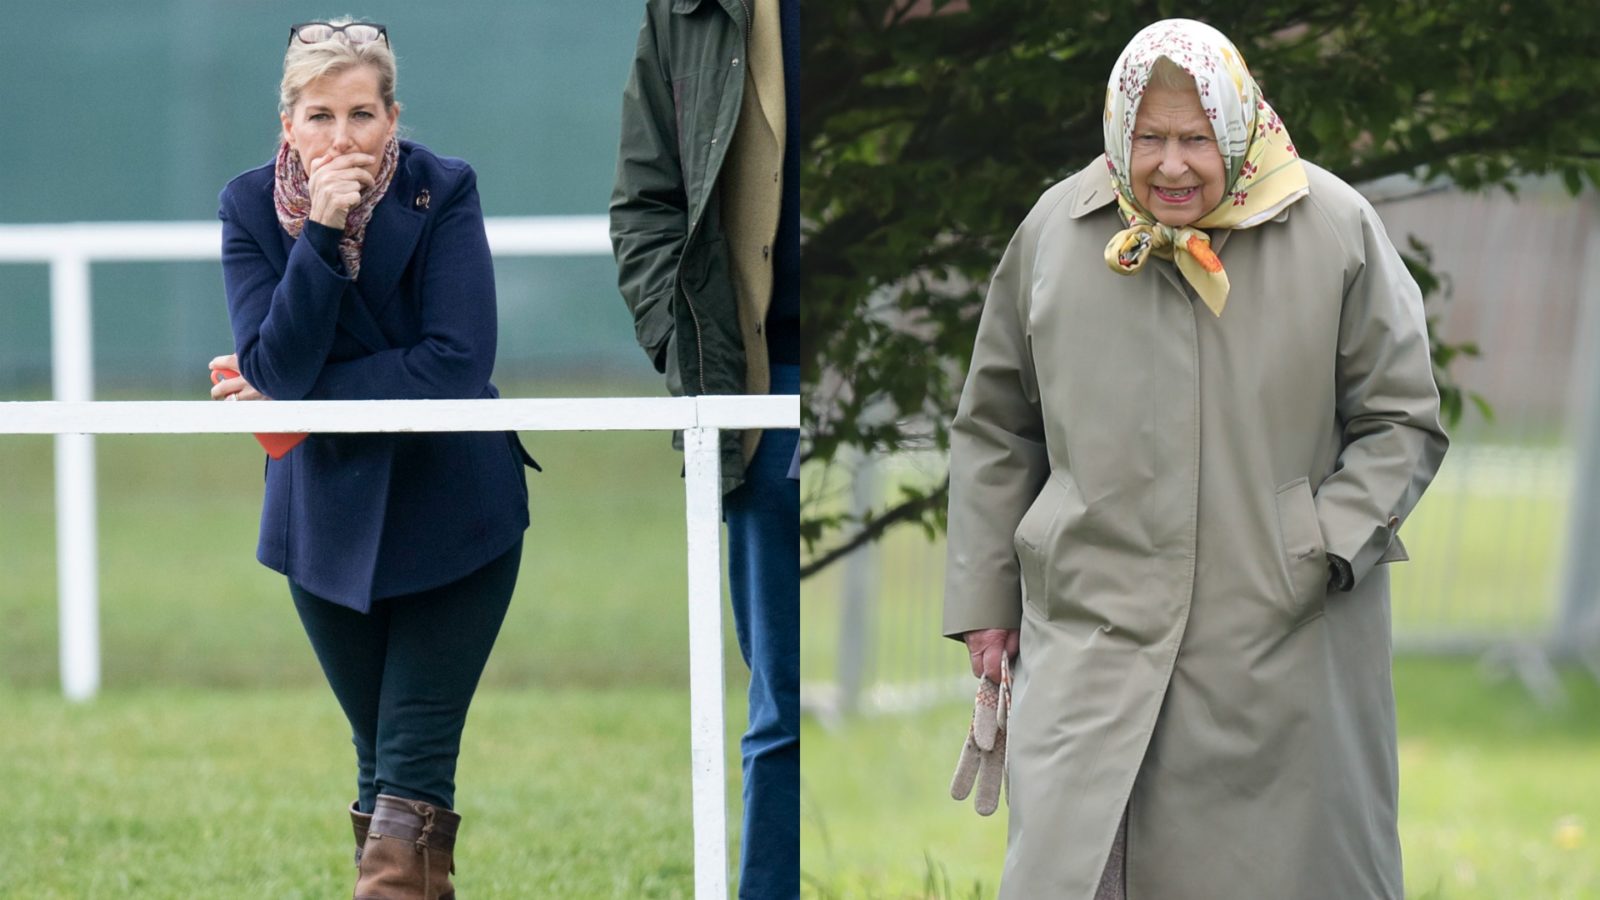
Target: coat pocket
x,y
1304,554
674,368
1032,538
709,317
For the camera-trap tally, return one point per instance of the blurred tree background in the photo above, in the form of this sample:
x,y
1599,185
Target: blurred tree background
x,y
933,125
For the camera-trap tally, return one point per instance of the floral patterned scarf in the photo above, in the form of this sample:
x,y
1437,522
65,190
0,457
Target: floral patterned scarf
x,y
1265,175
292,196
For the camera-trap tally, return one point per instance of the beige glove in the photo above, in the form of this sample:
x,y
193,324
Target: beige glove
x,y
983,756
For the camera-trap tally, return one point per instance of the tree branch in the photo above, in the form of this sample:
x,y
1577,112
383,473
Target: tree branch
x,y
1502,136
908,511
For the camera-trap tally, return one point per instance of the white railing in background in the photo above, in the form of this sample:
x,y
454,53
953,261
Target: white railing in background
x,y
74,418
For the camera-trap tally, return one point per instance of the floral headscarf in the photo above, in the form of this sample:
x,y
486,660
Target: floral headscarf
x,y
292,195
1264,173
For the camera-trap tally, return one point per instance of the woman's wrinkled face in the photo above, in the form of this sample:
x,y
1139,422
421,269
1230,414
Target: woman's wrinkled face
x,y
341,112
1178,173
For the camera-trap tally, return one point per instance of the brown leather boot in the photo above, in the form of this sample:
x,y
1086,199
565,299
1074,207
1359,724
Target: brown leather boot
x,y
359,821
409,852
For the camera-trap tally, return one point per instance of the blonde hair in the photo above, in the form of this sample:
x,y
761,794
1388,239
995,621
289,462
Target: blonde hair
x,y
1164,73
304,63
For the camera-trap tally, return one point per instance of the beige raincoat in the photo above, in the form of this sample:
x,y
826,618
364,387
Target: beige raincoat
x,y
1150,493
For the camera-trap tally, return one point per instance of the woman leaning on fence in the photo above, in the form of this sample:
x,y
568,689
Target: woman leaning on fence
x,y
356,268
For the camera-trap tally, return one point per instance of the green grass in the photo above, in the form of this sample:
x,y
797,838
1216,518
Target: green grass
x,y
179,793
216,762
1499,799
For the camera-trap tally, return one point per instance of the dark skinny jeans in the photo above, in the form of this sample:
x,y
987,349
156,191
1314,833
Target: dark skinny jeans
x,y
405,674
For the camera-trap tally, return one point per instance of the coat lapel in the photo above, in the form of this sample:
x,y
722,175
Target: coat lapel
x,y
356,319
391,237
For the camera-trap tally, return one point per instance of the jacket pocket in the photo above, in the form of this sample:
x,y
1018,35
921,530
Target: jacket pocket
x,y
674,369
652,323
1304,554
709,345
1031,542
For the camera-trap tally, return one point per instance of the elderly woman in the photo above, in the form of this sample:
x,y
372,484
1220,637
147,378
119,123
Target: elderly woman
x,y
1177,471
356,268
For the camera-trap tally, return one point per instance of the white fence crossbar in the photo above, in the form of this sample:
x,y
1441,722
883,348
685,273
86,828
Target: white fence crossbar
x,y
73,417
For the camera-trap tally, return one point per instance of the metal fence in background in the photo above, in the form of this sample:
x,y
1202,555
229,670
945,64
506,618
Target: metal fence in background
x,y
1503,546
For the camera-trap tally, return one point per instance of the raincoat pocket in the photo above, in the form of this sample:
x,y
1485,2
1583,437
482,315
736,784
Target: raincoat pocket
x,y
1032,539
1305,555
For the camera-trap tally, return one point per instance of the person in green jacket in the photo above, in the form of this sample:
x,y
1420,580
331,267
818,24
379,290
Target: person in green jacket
x,y
705,224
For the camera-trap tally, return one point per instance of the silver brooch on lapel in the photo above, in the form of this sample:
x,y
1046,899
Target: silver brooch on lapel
x,y
422,200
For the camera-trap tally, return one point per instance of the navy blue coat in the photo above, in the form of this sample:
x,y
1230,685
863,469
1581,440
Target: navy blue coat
x,y
358,517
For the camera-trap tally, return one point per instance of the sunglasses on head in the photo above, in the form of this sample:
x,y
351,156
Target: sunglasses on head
x,y
354,32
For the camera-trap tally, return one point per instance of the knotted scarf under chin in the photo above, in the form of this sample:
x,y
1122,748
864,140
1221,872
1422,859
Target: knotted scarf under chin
x,y
292,196
1189,247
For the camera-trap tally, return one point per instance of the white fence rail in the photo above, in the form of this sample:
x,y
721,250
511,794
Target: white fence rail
x,y
74,418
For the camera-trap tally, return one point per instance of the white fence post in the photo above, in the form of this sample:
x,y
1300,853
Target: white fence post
x,y
72,373
703,484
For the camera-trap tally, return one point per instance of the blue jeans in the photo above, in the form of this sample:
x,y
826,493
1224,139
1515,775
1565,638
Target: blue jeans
x,y
763,516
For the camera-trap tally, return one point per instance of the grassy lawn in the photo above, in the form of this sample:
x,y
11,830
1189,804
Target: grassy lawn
x,y
216,762
187,792
1499,800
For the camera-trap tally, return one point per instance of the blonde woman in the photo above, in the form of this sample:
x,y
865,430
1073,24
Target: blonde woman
x,y
356,268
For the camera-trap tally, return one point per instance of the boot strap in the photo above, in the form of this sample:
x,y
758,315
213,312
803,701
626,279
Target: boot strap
x,y
411,830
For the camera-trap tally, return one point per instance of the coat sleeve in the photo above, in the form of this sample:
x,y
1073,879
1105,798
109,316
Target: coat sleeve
x,y
1387,403
283,328
456,352
649,205
998,462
